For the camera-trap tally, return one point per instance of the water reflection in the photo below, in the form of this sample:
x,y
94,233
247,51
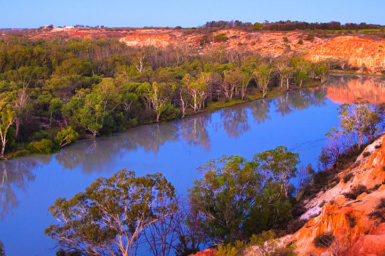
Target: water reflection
x,y
194,131
352,89
13,175
94,155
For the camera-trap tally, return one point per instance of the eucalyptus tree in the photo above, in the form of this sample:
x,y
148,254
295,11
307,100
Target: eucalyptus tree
x,y
237,198
109,217
7,118
262,75
358,123
197,89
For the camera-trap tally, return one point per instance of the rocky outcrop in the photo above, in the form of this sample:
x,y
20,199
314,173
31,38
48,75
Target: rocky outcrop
x,y
207,252
357,225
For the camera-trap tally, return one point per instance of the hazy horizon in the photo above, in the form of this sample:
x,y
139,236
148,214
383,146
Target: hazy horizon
x,y
172,13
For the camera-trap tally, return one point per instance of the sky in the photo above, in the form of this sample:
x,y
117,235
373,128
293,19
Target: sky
x,y
185,13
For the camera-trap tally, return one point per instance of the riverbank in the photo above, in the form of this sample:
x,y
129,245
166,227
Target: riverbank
x,y
354,73
253,95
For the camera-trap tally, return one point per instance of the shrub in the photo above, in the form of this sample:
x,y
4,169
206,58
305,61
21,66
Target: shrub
x,y
285,39
221,38
44,146
231,250
324,240
379,212
310,37
66,137
348,176
300,41
351,219
356,191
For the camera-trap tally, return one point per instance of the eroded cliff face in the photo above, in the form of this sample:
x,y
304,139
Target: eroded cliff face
x,y
358,225
358,51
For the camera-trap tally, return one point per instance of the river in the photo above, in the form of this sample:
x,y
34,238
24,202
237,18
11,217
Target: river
x,y
297,120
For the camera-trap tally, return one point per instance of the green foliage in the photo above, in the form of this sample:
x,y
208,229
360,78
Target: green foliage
x,y
359,123
324,240
66,136
258,26
300,41
266,242
238,198
44,146
221,38
285,39
227,250
111,212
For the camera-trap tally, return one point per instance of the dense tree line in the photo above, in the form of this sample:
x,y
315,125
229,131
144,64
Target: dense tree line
x,y
288,25
53,92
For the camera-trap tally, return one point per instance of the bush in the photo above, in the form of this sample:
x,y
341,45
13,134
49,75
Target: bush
x,y
348,176
221,38
356,191
231,250
379,212
285,39
66,137
44,146
300,41
324,240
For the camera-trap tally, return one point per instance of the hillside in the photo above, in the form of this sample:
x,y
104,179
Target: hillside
x,y
349,217
361,51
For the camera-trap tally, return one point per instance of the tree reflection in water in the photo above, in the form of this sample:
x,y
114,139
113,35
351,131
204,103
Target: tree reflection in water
x,y
194,131
235,121
13,175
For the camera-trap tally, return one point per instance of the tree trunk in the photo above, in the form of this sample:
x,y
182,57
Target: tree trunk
x,y
17,124
157,117
287,84
182,104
